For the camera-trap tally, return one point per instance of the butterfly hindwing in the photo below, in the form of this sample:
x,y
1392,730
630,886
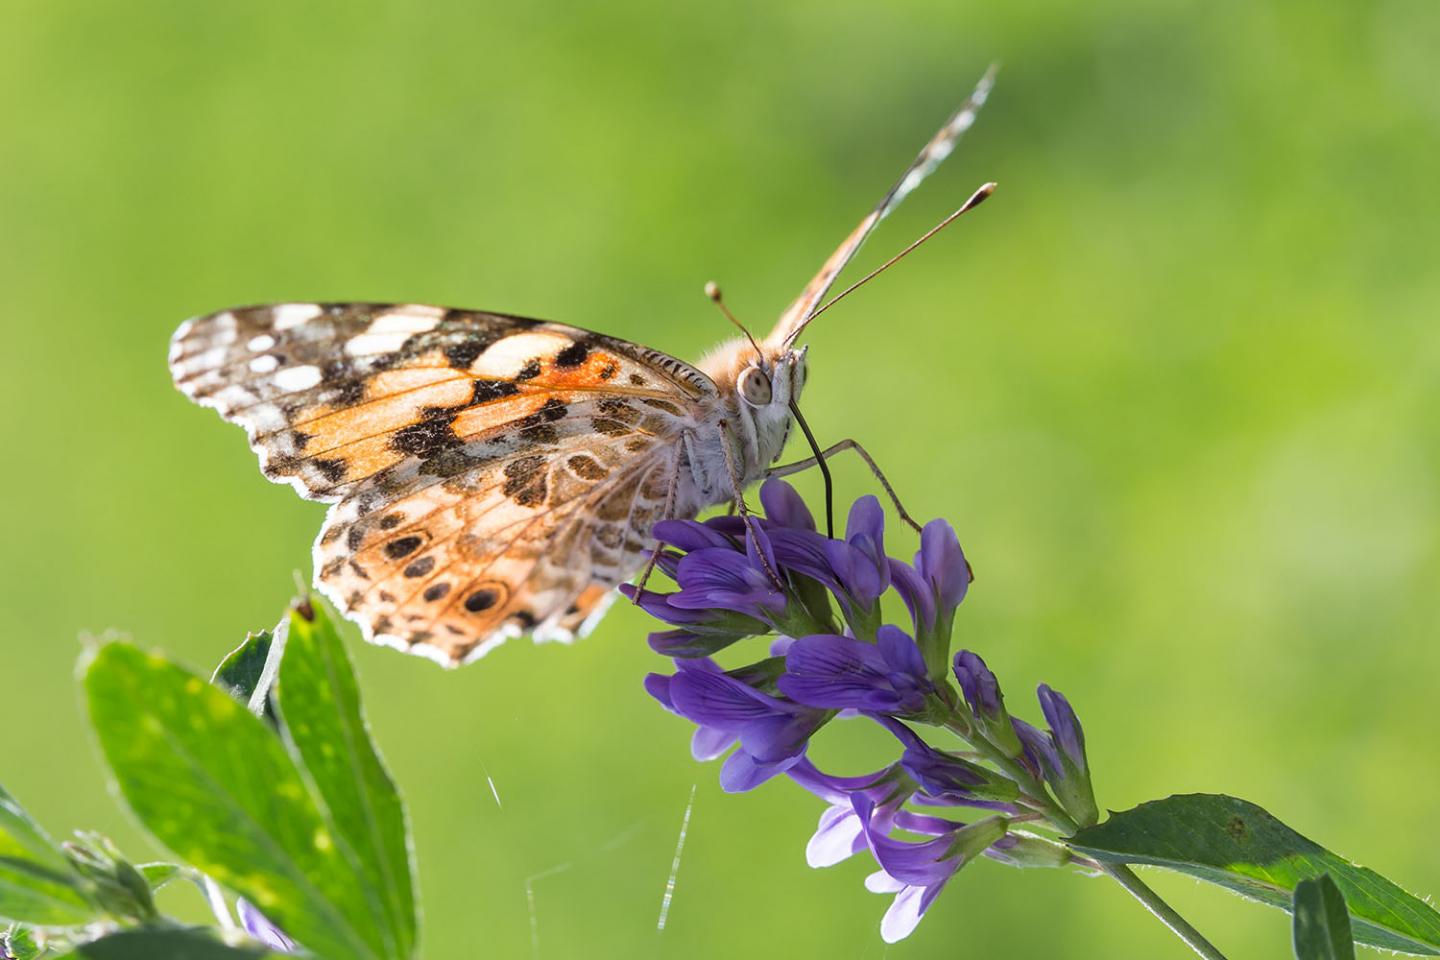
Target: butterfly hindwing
x,y
453,566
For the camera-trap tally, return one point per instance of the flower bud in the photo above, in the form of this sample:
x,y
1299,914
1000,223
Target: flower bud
x,y
987,703
1026,850
1072,783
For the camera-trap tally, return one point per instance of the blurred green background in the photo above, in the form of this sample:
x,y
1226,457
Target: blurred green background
x,y
1175,385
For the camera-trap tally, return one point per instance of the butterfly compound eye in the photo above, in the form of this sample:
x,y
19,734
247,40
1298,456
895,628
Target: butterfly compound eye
x,y
755,387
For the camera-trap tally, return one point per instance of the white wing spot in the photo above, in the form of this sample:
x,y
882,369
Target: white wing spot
x,y
289,315
261,343
297,378
407,320
369,344
510,354
264,364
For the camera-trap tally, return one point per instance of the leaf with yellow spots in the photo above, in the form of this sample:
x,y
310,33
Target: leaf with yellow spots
x,y
218,787
320,705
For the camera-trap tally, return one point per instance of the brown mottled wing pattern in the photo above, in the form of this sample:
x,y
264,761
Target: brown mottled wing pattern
x,y
798,314
491,475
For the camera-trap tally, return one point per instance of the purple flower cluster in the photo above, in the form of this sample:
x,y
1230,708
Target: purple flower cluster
x,y
833,656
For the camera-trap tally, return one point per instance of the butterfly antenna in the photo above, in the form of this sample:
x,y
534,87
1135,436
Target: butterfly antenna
x,y
976,198
713,292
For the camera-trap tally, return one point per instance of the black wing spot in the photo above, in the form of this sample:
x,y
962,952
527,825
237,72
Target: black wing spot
x,y
435,592
573,355
405,546
488,390
461,355
331,470
420,567
426,438
481,600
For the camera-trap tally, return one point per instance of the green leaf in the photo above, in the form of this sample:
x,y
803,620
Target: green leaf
x,y
243,670
320,706
213,783
38,884
176,943
1322,924
18,943
1238,845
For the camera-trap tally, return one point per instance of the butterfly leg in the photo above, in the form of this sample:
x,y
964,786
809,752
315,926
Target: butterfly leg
x,y
786,469
668,514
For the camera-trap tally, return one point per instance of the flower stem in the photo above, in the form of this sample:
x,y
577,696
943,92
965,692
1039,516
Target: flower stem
x,y
1122,874
1163,912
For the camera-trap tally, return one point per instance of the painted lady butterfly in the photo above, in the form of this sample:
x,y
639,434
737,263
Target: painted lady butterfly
x,y
492,475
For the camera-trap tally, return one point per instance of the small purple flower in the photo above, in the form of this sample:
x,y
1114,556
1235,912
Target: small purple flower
x,y
773,733
262,929
861,569
932,589
887,676
917,872
715,577
840,833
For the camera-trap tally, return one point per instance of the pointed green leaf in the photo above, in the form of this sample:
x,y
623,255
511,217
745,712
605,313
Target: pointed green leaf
x,y
320,704
37,883
1322,923
244,669
213,783
175,943
1238,845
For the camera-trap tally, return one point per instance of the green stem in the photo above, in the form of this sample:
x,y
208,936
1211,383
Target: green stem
x,y
1120,873
1163,912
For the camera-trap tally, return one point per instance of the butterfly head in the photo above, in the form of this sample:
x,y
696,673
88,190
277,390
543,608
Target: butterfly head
x,y
759,386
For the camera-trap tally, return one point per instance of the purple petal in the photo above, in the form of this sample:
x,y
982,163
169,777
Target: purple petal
x,y
882,882
1064,724
901,654
742,772
707,743
784,506
838,837
715,700
866,520
780,736
837,790
658,686
978,683
262,929
916,593
942,563
690,535
904,914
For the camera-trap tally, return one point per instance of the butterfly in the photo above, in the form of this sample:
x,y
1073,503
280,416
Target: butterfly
x,y
493,475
